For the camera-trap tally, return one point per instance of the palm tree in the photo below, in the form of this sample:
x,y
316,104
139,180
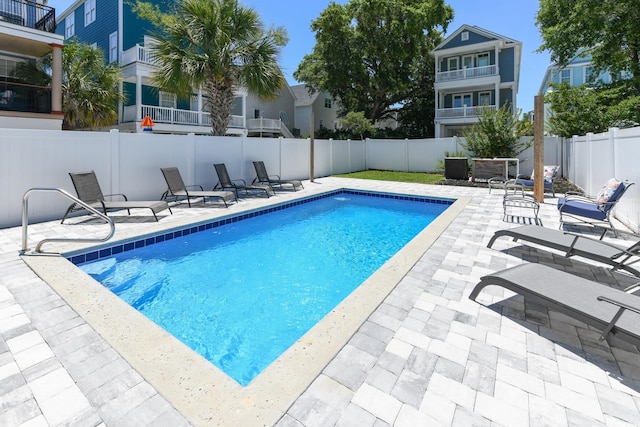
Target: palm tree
x,y
90,88
219,46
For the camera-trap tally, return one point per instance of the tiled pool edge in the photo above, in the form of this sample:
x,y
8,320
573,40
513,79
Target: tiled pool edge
x,y
196,387
82,256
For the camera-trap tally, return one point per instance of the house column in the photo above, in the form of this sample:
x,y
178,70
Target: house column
x,y
497,89
200,106
56,79
138,99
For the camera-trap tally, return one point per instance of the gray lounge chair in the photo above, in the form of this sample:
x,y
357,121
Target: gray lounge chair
x,y
605,308
225,182
273,181
176,189
576,245
88,190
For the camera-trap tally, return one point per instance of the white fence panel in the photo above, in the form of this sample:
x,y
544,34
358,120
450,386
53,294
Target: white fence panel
x,y
340,157
595,158
387,154
294,159
323,150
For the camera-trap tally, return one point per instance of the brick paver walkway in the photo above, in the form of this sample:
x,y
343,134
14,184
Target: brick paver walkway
x,y
427,356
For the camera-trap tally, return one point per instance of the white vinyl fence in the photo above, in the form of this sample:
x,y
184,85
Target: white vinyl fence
x,y
130,163
589,161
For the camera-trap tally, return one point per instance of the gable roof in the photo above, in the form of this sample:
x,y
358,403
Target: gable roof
x,y
489,35
302,96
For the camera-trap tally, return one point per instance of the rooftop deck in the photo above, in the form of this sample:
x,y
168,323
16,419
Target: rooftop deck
x,y
426,356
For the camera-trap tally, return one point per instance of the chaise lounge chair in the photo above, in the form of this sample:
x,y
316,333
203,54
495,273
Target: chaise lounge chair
x,y
225,182
177,189
593,210
274,181
598,305
88,190
576,245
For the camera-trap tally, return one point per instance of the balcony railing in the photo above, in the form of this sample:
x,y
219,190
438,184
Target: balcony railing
x,y
28,14
467,73
137,54
462,112
176,116
25,98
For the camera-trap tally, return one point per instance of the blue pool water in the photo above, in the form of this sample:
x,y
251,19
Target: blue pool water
x,y
240,294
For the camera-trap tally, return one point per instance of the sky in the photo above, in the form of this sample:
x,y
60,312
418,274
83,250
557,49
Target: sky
x,y
513,19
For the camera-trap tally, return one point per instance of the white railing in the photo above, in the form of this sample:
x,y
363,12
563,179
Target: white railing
x,y
175,116
467,73
264,125
137,54
451,113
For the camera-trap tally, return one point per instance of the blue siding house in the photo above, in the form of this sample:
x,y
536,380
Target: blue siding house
x,y
124,38
577,72
475,68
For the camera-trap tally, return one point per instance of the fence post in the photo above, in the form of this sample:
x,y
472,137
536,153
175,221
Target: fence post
x,y
612,140
114,143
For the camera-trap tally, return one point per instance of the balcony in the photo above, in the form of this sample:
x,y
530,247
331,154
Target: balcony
x,y
137,54
175,116
25,98
28,14
467,73
462,112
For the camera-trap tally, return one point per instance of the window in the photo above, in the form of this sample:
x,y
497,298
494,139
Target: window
x,y
257,114
284,117
565,76
7,68
89,12
460,101
167,100
453,64
327,103
467,61
193,103
113,47
464,36
483,59
70,25
484,98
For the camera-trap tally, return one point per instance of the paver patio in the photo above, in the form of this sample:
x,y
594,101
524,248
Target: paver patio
x,y
426,356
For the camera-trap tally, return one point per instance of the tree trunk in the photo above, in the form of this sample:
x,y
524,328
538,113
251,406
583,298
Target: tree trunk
x,y
220,98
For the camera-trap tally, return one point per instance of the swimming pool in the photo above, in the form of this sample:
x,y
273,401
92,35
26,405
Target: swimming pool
x,y
242,252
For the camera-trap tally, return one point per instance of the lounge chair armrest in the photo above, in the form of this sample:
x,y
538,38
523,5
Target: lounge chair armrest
x,y
242,181
579,197
195,186
274,176
624,251
622,306
117,194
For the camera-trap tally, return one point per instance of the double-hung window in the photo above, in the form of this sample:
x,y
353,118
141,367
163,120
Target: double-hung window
x,y
89,12
462,100
70,25
113,47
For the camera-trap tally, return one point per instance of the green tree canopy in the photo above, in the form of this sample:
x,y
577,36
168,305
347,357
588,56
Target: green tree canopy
x,y
579,110
495,134
357,123
608,30
369,54
219,46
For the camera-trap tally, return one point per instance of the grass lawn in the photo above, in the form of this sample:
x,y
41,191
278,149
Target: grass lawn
x,y
419,177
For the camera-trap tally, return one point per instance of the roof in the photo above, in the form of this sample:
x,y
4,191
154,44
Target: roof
x,y
302,96
477,30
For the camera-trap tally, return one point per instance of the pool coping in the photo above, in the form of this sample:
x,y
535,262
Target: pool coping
x,y
193,385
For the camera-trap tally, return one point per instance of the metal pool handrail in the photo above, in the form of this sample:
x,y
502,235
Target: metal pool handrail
x,y
25,220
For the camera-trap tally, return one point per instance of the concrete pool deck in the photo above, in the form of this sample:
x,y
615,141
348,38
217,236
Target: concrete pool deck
x,y
427,355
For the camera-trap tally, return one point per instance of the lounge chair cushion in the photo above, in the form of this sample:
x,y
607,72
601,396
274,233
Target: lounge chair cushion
x,y
609,192
585,209
529,183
